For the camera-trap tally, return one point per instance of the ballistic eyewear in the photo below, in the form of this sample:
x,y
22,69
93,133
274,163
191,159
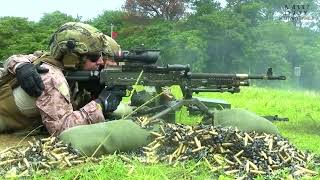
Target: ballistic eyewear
x,y
93,57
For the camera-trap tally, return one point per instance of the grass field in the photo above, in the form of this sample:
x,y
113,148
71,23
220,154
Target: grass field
x,y
302,109
302,129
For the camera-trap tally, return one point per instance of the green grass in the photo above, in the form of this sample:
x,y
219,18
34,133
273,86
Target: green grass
x,y
302,109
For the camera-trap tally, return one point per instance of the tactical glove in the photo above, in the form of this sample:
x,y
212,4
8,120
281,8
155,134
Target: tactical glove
x,y
28,76
109,99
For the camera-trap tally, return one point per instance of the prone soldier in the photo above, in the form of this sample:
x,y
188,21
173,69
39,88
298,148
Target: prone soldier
x,y
62,117
73,44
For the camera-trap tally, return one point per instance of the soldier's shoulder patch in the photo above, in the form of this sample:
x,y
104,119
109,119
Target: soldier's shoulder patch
x,y
63,89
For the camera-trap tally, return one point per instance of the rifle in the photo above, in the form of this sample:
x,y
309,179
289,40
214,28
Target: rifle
x,y
139,66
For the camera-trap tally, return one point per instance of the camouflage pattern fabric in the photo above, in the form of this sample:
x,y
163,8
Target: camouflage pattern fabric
x,y
111,47
76,38
55,105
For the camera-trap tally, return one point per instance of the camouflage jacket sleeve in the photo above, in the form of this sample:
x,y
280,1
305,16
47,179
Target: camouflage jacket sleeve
x,y
14,61
56,108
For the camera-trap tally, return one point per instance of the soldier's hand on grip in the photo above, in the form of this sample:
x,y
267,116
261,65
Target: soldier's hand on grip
x,y
28,76
109,99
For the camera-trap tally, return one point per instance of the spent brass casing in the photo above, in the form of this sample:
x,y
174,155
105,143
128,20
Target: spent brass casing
x,y
238,160
155,134
253,165
257,172
26,162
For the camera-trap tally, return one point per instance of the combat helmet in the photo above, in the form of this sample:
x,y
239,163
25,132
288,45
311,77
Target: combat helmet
x,y
74,39
110,46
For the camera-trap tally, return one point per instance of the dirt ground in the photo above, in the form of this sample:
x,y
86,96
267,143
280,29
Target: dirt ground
x,y
9,140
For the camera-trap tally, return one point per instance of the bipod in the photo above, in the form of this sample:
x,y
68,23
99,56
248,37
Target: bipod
x,y
177,104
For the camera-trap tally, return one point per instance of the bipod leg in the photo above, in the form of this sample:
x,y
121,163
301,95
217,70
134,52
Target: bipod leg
x,y
202,107
172,107
150,110
185,102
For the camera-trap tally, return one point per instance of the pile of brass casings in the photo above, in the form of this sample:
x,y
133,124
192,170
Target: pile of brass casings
x,y
227,150
39,157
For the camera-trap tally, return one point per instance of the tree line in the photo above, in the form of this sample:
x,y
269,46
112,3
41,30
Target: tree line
x,y
245,36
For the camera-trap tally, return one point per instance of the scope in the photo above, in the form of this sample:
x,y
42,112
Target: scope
x,y
146,56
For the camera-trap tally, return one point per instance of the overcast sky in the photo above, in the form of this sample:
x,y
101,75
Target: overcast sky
x,y
34,9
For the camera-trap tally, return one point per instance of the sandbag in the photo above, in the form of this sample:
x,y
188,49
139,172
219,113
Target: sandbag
x,y
112,136
122,110
244,120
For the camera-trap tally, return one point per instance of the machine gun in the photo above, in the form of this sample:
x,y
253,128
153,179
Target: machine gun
x,y
139,68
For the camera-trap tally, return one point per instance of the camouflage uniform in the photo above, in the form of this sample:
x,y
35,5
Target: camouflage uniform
x,y
54,105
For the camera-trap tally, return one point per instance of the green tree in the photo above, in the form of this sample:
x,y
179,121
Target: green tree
x,y
103,22
15,34
49,23
153,35
202,7
310,66
225,35
55,19
165,9
187,47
